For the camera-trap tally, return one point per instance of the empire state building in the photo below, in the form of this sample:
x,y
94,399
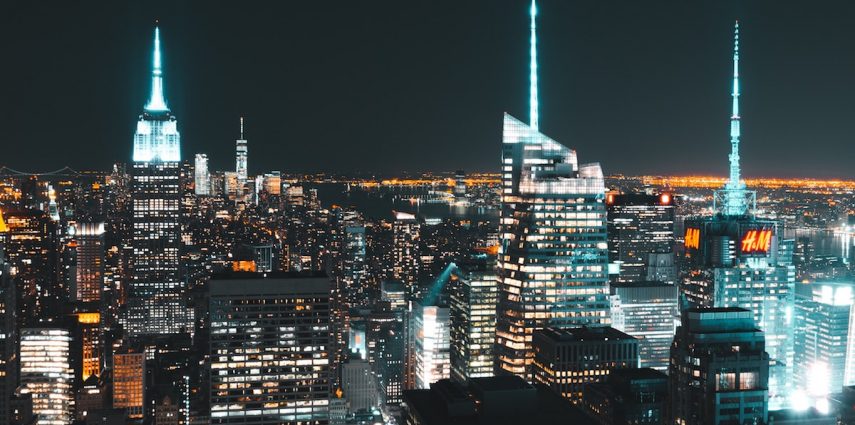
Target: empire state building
x,y
157,296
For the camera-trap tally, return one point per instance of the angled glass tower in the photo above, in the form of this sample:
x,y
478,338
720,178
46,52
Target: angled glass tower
x,y
553,258
157,296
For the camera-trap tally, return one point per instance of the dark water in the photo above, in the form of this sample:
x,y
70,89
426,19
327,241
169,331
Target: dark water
x,y
378,203
825,242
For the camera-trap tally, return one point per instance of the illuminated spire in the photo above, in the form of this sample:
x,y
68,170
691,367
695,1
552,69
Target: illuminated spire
x,y
241,128
533,107
735,202
156,102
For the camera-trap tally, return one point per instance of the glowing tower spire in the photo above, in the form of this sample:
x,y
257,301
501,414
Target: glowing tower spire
x,y
734,198
156,101
533,107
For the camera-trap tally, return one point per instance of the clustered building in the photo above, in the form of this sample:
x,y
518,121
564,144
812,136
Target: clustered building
x,y
169,292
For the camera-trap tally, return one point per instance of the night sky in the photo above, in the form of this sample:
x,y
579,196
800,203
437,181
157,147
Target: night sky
x,y
386,86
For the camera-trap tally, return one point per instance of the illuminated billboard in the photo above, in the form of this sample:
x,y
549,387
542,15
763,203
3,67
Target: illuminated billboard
x,y
756,241
693,238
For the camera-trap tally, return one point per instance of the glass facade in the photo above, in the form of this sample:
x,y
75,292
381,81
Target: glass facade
x,y
474,295
647,311
553,256
432,344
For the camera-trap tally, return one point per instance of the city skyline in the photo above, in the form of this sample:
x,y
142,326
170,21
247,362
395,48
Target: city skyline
x,y
605,84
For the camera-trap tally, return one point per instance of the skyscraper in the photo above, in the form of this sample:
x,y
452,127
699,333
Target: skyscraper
x,y
734,259
129,383
157,296
719,369
640,226
473,319
8,330
553,257
90,261
269,349
824,360
648,312
405,252
31,250
241,152
432,344
46,373
202,177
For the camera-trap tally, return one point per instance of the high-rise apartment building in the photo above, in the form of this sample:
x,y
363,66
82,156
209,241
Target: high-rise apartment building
x,y
269,349
89,279
568,359
719,369
553,256
405,252
202,176
474,295
647,311
640,226
735,259
46,374
157,296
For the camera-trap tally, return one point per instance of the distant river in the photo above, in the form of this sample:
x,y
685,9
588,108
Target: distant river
x,y
378,203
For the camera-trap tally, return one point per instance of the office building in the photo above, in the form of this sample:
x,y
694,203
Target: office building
x,y
202,176
8,330
405,252
629,397
499,400
432,341
88,340
553,256
89,279
474,295
358,385
269,348
640,226
568,359
824,345
129,382
31,250
46,373
719,370
156,294
647,311
386,340
735,259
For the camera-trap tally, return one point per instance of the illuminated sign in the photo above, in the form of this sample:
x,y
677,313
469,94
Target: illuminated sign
x,y
757,241
693,238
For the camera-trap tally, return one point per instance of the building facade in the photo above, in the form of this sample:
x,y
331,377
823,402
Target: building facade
x,y
269,349
568,359
46,373
474,296
719,370
647,311
640,226
202,176
432,344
